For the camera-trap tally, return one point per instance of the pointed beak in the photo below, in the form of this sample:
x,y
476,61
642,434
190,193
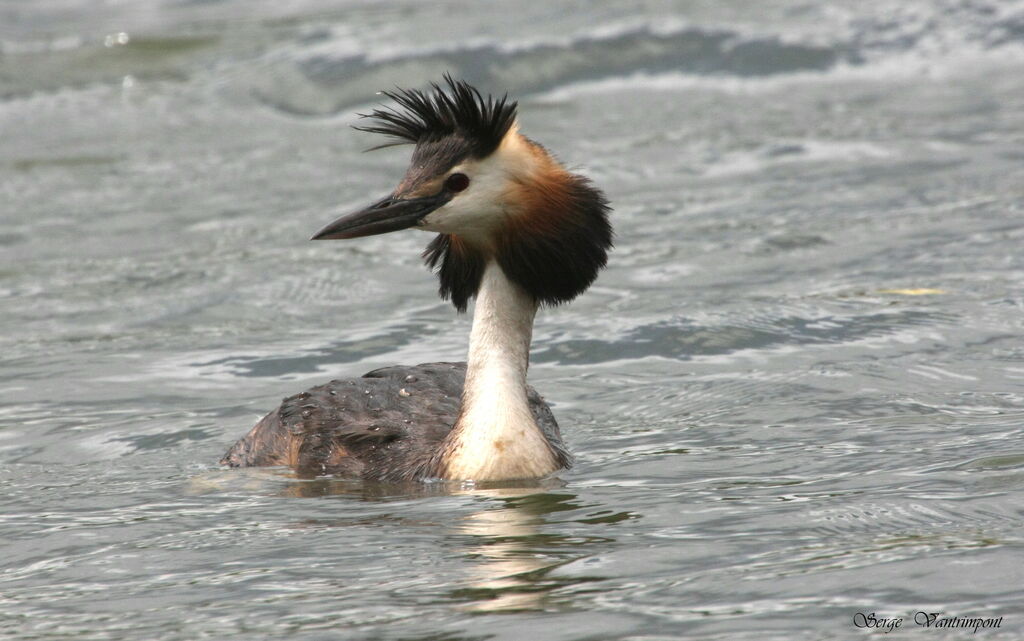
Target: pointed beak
x,y
389,214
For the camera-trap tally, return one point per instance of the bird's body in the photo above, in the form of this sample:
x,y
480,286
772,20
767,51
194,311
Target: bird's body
x,y
386,426
516,230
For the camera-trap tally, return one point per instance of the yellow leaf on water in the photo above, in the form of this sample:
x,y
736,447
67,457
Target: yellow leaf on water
x,y
921,291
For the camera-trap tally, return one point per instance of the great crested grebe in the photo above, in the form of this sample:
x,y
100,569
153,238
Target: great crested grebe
x,y
515,230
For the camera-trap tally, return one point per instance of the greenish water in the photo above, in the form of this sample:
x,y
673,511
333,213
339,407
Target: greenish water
x,y
795,394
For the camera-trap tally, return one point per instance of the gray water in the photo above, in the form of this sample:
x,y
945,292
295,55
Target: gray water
x,y
796,394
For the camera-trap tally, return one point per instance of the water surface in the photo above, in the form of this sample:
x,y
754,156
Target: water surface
x,y
794,395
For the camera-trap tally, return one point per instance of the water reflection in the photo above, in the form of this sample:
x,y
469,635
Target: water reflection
x,y
512,539
517,557
506,540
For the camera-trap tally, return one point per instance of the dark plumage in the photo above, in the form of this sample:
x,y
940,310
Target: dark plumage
x,y
386,426
459,268
556,253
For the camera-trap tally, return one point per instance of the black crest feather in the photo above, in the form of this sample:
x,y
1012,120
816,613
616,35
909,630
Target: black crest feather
x,y
456,109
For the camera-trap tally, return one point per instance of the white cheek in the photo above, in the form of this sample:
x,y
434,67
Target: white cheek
x,y
475,211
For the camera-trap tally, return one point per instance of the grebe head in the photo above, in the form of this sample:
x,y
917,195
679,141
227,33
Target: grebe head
x,y
490,192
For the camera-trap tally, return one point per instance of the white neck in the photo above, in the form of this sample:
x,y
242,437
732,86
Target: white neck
x,y
496,437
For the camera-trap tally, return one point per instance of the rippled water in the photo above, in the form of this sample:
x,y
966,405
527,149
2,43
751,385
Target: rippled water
x,y
796,394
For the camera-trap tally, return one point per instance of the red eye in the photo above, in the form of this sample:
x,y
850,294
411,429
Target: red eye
x,y
456,182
